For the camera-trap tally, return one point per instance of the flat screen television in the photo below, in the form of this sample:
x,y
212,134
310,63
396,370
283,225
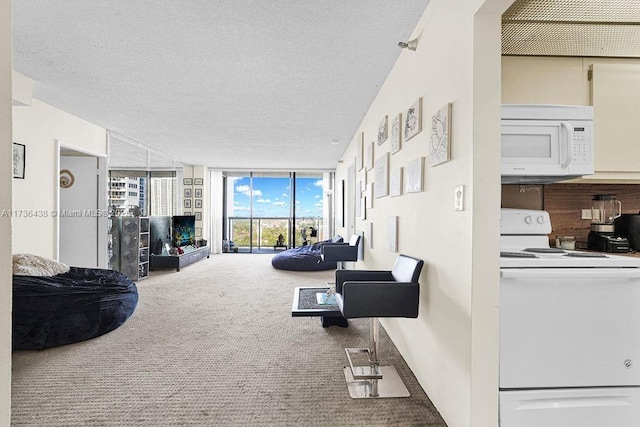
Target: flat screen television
x,y
183,230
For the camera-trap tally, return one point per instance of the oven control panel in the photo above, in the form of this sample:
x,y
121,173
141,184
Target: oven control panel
x,y
524,221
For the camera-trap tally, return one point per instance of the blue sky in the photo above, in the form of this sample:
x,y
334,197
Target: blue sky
x,y
272,197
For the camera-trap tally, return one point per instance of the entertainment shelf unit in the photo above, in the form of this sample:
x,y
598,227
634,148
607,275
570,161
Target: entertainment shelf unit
x,y
157,262
129,246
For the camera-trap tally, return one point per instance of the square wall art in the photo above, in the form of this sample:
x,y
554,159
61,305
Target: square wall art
x,y
413,120
441,136
396,133
395,182
383,130
414,175
381,180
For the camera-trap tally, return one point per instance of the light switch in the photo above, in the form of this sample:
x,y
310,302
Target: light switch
x,y
459,198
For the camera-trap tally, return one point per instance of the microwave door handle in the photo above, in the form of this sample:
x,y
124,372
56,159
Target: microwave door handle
x,y
569,144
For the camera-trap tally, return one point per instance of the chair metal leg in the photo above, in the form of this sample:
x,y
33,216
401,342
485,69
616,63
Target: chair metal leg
x,y
373,381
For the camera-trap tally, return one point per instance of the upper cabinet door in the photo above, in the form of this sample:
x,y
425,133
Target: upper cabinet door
x,y
615,92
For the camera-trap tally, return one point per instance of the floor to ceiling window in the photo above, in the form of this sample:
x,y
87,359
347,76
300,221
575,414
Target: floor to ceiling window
x,y
272,211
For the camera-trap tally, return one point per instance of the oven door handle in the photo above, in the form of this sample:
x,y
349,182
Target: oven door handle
x,y
570,273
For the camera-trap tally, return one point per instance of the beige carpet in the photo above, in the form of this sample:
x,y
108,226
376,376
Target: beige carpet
x,y
212,345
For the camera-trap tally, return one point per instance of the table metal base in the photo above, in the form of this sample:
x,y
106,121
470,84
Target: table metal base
x,y
391,385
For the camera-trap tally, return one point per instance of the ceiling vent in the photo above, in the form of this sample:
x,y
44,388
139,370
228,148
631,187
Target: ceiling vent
x,y
572,28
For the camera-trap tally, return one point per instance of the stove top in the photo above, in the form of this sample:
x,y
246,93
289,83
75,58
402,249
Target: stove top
x,y
524,243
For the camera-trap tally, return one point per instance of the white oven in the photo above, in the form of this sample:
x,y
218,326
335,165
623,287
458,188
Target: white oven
x,y
569,331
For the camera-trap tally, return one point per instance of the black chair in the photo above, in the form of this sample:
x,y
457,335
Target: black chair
x,y
374,294
340,252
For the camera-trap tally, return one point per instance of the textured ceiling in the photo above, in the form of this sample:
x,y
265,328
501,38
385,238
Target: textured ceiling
x,y
594,28
233,84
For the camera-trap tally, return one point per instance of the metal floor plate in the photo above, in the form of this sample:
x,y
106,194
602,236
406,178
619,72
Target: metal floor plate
x,y
390,385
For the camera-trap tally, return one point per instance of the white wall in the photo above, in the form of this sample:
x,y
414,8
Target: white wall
x,y
38,127
6,182
452,347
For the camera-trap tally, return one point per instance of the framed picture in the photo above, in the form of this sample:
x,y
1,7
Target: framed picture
x,y
413,120
369,155
368,234
383,130
339,202
395,182
198,181
198,203
396,133
198,231
187,193
441,136
392,233
19,152
197,192
359,151
187,213
413,175
198,216
381,180
187,203
187,181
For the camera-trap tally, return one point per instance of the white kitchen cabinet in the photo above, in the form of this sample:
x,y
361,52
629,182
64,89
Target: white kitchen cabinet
x,y
615,91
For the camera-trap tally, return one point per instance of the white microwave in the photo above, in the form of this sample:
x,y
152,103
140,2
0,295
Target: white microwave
x,y
541,144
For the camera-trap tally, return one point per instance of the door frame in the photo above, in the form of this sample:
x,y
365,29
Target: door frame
x,y
101,205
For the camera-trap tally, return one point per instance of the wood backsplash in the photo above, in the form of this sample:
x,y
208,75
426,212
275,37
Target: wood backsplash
x,y
565,202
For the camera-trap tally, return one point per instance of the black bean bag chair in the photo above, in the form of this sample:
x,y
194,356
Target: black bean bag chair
x,y
84,303
305,258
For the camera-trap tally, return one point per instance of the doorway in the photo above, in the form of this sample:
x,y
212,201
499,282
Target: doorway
x,y
81,211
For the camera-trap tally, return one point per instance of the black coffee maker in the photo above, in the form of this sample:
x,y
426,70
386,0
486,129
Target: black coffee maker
x,y
602,237
628,226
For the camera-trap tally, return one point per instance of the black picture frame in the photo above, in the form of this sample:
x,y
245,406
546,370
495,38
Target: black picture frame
x,y
187,181
187,203
198,203
198,181
19,160
197,192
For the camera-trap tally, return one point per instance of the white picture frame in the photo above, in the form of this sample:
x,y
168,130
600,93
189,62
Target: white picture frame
x,y
413,120
368,158
383,130
392,233
440,139
395,182
414,176
396,133
381,180
360,151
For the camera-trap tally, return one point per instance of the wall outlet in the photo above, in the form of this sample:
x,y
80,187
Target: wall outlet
x,y
586,213
458,203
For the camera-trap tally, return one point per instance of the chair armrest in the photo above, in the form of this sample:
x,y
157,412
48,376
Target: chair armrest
x,y
379,299
361,276
339,252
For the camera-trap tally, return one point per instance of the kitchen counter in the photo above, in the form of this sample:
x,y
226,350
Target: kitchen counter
x,y
582,246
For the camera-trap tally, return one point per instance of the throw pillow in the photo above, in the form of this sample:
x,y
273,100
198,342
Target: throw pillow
x,y
34,265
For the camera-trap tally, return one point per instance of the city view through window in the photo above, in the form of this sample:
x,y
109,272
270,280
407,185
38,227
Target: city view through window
x,y
261,209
